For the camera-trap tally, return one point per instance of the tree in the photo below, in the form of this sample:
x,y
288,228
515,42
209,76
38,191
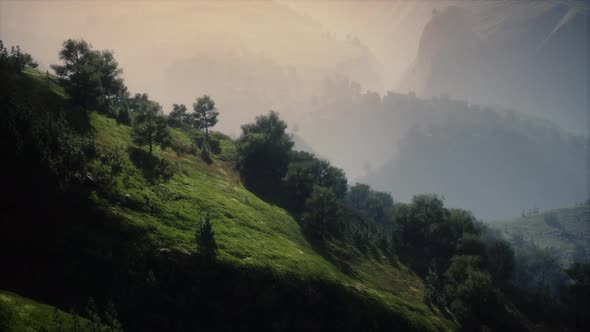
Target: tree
x,y
499,261
80,72
115,92
375,205
305,171
178,116
205,115
468,290
205,238
149,127
15,61
90,77
263,153
322,213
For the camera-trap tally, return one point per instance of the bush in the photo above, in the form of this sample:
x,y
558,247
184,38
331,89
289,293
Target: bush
x,y
213,144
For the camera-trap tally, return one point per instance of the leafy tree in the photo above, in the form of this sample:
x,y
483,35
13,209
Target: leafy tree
x,y
468,289
15,61
263,152
433,292
322,213
90,77
115,92
149,126
305,171
358,195
178,116
470,244
205,238
499,261
205,115
80,72
415,219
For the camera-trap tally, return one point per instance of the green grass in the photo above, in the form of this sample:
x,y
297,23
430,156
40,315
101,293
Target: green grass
x,y
250,233
19,314
572,230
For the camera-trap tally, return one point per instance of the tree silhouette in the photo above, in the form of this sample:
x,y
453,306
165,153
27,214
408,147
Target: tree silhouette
x,y
149,127
205,238
205,116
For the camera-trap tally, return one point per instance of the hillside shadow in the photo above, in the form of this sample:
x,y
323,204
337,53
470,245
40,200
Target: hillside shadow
x,y
153,168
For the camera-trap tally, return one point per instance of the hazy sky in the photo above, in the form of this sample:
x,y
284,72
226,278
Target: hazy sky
x,y
255,56
147,37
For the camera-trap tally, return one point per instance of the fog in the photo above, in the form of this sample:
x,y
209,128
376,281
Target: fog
x,y
328,68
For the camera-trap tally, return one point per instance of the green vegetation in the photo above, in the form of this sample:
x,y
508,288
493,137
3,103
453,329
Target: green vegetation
x,y
127,216
175,241
19,314
204,117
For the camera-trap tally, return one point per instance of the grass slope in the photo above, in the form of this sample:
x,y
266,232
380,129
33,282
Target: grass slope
x,y
19,314
250,233
569,231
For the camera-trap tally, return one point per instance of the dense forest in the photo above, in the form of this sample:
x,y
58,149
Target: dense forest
x,y
131,219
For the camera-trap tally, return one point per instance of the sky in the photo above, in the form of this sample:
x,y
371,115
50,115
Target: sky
x,y
150,37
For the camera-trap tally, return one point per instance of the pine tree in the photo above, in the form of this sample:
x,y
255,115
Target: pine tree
x,y
204,117
205,238
149,127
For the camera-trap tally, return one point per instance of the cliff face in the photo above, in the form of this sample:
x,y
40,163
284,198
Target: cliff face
x,y
530,56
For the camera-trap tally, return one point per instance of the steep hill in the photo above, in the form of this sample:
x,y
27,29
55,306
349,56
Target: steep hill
x,y
566,232
134,244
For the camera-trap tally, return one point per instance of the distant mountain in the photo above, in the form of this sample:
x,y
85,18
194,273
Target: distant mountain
x,y
528,55
565,232
494,162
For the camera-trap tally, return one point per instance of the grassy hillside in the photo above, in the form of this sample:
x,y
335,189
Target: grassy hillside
x,y
250,232
565,231
137,239
19,314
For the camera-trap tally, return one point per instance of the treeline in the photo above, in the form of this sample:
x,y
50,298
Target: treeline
x,y
469,270
464,268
